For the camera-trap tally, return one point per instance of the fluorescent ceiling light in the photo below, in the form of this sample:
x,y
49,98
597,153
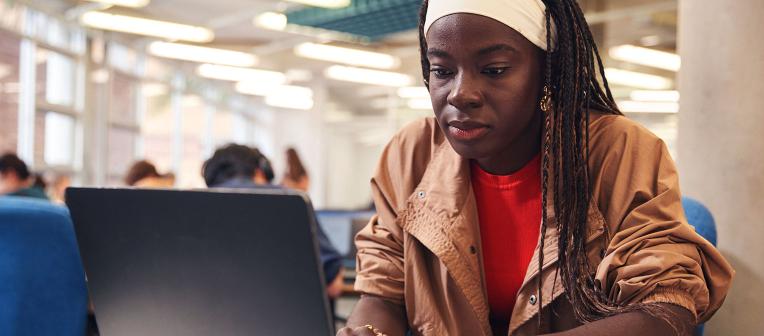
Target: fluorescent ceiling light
x,y
323,3
348,56
655,95
650,40
236,74
630,106
413,92
299,75
150,90
419,104
366,76
265,89
637,79
284,96
199,54
124,3
147,27
299,103
271,20
646,56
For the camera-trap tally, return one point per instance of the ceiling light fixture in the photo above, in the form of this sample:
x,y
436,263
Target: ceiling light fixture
x,y
151,90
124,3
367,76
630,106
187,52
655,95
637,79
413,92
284,96
146,27
347,56
646,56
237,74
271,20
323,3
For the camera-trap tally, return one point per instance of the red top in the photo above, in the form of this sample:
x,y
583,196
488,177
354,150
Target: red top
x,y
509,208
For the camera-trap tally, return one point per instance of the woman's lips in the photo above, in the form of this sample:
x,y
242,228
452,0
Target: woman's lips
x,y
466,130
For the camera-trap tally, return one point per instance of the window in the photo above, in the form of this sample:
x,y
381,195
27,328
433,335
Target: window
x,y
158,126
189,173
122,149
56,76
55,140
59,139
125,112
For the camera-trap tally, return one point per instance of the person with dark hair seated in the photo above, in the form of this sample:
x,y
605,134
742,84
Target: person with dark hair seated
x,y
242,167
143,174
16,179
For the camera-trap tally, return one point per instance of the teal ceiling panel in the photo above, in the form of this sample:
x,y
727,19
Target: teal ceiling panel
x,y
373,19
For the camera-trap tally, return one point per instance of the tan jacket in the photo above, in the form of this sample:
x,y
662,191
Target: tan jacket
x,y
423,247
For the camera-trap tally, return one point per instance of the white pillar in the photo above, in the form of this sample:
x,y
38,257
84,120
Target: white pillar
x,y
721,142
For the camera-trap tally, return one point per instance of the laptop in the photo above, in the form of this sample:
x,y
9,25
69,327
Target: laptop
x,y
213,262
340,227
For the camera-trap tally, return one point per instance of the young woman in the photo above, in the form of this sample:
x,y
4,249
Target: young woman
x,y
295,177
528,205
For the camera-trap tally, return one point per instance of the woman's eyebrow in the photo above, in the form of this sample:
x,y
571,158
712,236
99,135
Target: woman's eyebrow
x,y
438,53
495,48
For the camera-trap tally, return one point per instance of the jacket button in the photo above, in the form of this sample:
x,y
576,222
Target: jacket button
x,y
533,299
473,250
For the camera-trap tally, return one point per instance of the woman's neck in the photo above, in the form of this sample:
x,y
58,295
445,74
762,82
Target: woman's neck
x,y
518,153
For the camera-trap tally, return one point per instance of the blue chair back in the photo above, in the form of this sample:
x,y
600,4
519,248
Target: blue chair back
x,y
700,217
42,282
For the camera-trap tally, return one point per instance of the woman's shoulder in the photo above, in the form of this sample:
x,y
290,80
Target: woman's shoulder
x,y
416,142
420,135
611,134
409,153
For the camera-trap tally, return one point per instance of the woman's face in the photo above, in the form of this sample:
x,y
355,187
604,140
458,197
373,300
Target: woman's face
x,y
485,84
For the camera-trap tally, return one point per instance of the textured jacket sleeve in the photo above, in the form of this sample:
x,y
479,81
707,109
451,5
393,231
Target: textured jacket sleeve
x,y
653,254
380,243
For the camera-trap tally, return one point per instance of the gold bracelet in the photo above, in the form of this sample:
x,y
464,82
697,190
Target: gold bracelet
x,y
374,330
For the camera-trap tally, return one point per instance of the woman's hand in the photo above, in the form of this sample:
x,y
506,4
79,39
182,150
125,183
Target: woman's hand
x,y
357,331
334,289
385,317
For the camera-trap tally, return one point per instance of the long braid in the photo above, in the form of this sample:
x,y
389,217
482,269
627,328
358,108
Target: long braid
x,y
571,73
545,167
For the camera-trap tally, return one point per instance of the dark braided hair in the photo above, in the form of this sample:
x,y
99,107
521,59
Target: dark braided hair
x,y
571,77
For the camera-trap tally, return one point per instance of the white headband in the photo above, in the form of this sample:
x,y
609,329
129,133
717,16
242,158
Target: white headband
x,y
527,17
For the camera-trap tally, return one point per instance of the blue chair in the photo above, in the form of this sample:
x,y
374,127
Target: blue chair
x,y
42,282
700,217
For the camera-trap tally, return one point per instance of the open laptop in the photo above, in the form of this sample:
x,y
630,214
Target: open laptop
x,y
234,262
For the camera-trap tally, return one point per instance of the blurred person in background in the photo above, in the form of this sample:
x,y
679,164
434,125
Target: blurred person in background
x,y
295,177
238,165
16,180
242,167
57,188
143,174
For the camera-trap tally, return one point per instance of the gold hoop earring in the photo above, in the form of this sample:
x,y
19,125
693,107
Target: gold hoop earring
x,y
546,100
